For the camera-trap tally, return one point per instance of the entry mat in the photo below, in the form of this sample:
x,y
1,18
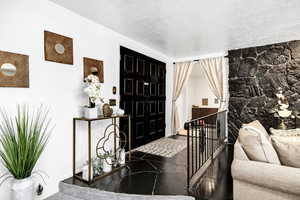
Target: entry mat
x,y
165,147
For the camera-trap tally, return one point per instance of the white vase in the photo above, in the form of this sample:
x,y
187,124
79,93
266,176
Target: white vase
x,y
100,110
85,172
107,165
90,113
122,157
23,189
121,112
115,110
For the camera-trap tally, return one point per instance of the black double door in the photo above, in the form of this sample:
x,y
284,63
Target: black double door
x,y
143,96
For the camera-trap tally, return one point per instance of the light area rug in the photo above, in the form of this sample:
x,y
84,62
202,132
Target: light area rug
x,y
182,132
165,147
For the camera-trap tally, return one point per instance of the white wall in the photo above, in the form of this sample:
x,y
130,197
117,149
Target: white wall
x,y
198,89
57,85
194,91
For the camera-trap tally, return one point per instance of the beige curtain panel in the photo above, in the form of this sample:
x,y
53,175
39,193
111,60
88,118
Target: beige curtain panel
x,y
182,71
216,72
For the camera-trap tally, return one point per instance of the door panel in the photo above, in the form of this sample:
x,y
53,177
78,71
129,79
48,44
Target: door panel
x,y
161,72
161,107
153,69
140,130
152,108
140,88
161,90
128,106
128,86
152,127
139,111
140,68
128,64
142,95
153,89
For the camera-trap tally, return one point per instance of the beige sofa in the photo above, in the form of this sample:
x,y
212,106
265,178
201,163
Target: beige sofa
x,y
256,180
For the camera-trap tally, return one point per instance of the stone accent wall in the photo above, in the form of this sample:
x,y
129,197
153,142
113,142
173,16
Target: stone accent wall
x,y
254,77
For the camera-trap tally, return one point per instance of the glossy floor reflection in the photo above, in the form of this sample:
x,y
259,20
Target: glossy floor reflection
x,y
150,174
216,184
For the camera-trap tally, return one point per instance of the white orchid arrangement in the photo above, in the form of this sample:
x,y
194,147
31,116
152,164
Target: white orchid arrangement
x,y
92,89
281,110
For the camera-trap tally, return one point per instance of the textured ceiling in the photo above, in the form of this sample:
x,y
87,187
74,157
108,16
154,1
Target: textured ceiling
x,y
185,28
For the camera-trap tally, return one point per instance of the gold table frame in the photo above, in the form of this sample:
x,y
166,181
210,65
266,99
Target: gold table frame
x,y
114,122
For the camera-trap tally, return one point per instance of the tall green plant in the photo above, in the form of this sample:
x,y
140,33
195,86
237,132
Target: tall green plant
x,y
23,139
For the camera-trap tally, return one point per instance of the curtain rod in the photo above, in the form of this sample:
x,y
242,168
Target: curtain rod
x,y
199,59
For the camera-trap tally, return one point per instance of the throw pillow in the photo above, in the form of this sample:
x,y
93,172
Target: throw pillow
x,y
289,132
288,149
256,143
256,126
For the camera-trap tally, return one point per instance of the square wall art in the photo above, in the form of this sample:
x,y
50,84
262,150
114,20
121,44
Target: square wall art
x,y
14,70
205,101
93,66
58,48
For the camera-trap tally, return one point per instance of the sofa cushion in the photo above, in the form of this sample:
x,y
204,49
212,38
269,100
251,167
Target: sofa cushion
x,y
289,132
265,175
256,143
288,149
239,152
256,126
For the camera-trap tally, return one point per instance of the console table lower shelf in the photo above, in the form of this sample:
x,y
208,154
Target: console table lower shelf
x,y
100,176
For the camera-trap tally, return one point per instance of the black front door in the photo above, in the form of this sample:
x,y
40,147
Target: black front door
x,y
143,96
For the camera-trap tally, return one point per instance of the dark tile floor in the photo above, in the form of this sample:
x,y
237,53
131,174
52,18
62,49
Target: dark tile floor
x,y
150,174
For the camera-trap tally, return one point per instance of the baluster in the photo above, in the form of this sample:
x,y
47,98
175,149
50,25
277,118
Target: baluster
x,y
192,125
196,137
187,128
205,138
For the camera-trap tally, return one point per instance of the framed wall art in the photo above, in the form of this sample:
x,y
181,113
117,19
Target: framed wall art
x,y
205,101
58,48
14,70
93,66
112,102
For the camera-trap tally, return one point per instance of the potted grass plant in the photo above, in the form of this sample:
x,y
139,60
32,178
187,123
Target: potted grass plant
x,y
23,138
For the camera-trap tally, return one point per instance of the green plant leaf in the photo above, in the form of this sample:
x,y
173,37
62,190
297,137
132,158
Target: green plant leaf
x,y
23,139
